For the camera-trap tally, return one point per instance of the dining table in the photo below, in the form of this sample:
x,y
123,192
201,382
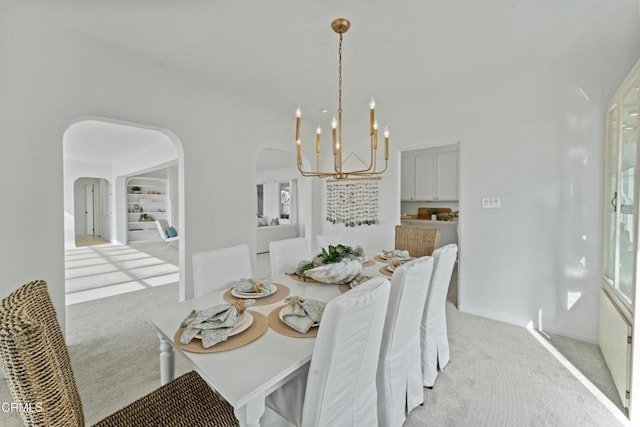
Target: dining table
x,y
246,375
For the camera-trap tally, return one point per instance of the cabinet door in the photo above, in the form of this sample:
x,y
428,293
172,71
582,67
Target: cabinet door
x,y
407,178
426,177
447,176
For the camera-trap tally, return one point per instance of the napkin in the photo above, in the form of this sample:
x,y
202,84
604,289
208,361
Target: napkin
x,y
214,324
250,286
396,253
306,313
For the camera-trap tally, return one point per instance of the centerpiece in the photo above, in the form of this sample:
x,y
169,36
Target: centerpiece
x,y
339,264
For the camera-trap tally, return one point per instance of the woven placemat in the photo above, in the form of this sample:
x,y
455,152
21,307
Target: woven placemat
x,y
299,279
256,330
344,288
378,258
368,263
282,292
280,327
384,270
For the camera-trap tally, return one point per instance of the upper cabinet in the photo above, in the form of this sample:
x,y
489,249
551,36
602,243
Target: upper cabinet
x,y
407,177
430,174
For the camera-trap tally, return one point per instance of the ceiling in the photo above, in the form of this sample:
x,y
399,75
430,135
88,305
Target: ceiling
x,y
104,142
283,53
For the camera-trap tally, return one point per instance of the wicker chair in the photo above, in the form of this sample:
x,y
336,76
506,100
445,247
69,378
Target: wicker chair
x,y
36,363
419,241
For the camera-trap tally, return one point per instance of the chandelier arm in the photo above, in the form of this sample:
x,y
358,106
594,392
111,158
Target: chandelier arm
x,y
315,174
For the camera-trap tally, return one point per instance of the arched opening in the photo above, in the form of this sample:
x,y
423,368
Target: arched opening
x,y
119,178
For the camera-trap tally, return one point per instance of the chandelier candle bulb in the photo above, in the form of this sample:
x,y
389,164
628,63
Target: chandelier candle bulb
x,y
298,114
318,132
375,135
386,143
372,109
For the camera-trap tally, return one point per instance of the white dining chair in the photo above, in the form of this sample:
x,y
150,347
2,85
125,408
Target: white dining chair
x,y
433,333
284,255
324,240
399,378
338,387
215,269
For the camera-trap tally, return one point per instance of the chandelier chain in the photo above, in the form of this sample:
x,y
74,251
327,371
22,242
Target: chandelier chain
x,y
340,75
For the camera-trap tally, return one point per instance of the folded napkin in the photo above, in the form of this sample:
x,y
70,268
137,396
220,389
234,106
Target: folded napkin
x,y
305,314
396,253
214,324
250,286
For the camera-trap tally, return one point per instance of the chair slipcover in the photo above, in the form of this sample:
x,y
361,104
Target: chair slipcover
x,y
324,240
399,378
340,386
284,255
215,269
434,341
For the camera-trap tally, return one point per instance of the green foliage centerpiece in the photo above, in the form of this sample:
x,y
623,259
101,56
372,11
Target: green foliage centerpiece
x,y
336,264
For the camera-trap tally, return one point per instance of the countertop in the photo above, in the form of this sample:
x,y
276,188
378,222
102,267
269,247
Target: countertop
x,y
413,218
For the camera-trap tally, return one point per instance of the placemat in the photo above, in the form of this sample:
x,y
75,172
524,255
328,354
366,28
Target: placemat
x,y
282,292
299,279
344,288
378,258
280,327
384,270
256,330
368,263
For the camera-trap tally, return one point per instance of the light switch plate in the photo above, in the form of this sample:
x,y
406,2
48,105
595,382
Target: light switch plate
x,y
490,203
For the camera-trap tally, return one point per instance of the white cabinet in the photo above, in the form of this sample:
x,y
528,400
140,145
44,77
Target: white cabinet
x,y
407,177
619,298
430,174
447,176
147,201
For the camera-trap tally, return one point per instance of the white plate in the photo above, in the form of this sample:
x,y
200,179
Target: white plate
x,y
244,321
288,309
250,295
391,268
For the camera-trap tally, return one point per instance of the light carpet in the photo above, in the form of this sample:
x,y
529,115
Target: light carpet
x,y
499,374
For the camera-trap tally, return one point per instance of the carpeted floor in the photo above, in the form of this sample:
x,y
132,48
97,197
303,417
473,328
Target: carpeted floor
x,y
499,374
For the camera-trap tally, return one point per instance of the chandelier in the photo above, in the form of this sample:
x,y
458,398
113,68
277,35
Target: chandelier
x,y
340,26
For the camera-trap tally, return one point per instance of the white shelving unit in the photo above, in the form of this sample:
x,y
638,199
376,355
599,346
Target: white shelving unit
x,y
151,199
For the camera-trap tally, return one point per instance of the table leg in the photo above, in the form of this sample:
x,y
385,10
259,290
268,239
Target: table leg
x,y
249,414
167,361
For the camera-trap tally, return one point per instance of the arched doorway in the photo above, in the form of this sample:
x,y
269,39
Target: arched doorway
x,y
111,152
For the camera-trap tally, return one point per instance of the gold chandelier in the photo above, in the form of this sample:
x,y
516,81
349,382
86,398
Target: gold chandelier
x,y
340,26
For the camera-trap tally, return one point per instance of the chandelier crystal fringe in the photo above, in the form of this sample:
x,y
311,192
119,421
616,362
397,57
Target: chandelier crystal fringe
x,y
340,26
352,202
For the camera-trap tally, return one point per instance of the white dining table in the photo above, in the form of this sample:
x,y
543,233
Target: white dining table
x,y
243,376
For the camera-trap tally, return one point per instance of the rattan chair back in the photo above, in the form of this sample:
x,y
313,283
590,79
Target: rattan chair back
x,y
419,241
35,359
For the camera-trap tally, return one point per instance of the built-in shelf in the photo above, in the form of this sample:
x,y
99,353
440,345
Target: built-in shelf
x,y
151,197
